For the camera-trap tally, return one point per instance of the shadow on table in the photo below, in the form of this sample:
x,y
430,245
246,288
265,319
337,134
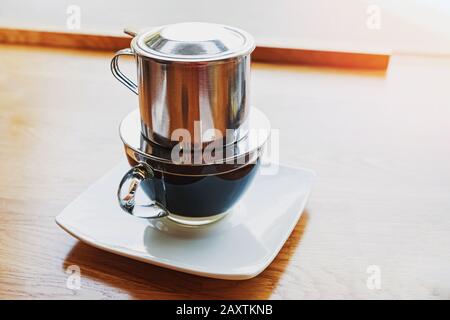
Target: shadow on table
x,y
145,281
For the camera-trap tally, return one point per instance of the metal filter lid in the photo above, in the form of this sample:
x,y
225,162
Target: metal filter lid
x,y
193,42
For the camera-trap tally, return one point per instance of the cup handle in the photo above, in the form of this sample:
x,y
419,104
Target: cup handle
x,y
127,191
118,74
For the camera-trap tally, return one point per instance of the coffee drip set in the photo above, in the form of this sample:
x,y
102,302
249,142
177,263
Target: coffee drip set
x,y
193,88
194,147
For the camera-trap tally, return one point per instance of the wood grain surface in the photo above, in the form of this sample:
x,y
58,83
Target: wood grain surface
x,y
379,143
330,58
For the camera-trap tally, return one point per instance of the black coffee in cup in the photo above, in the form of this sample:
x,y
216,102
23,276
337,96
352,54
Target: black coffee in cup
x,y
196,188
199,196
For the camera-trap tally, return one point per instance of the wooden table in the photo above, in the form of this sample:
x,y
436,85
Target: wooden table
x,y
378,141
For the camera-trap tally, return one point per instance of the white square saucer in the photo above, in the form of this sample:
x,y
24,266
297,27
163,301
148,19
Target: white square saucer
x,y
237,247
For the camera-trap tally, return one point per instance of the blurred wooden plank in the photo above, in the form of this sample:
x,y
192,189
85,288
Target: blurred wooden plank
x,y
321,58
63,39
337,59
